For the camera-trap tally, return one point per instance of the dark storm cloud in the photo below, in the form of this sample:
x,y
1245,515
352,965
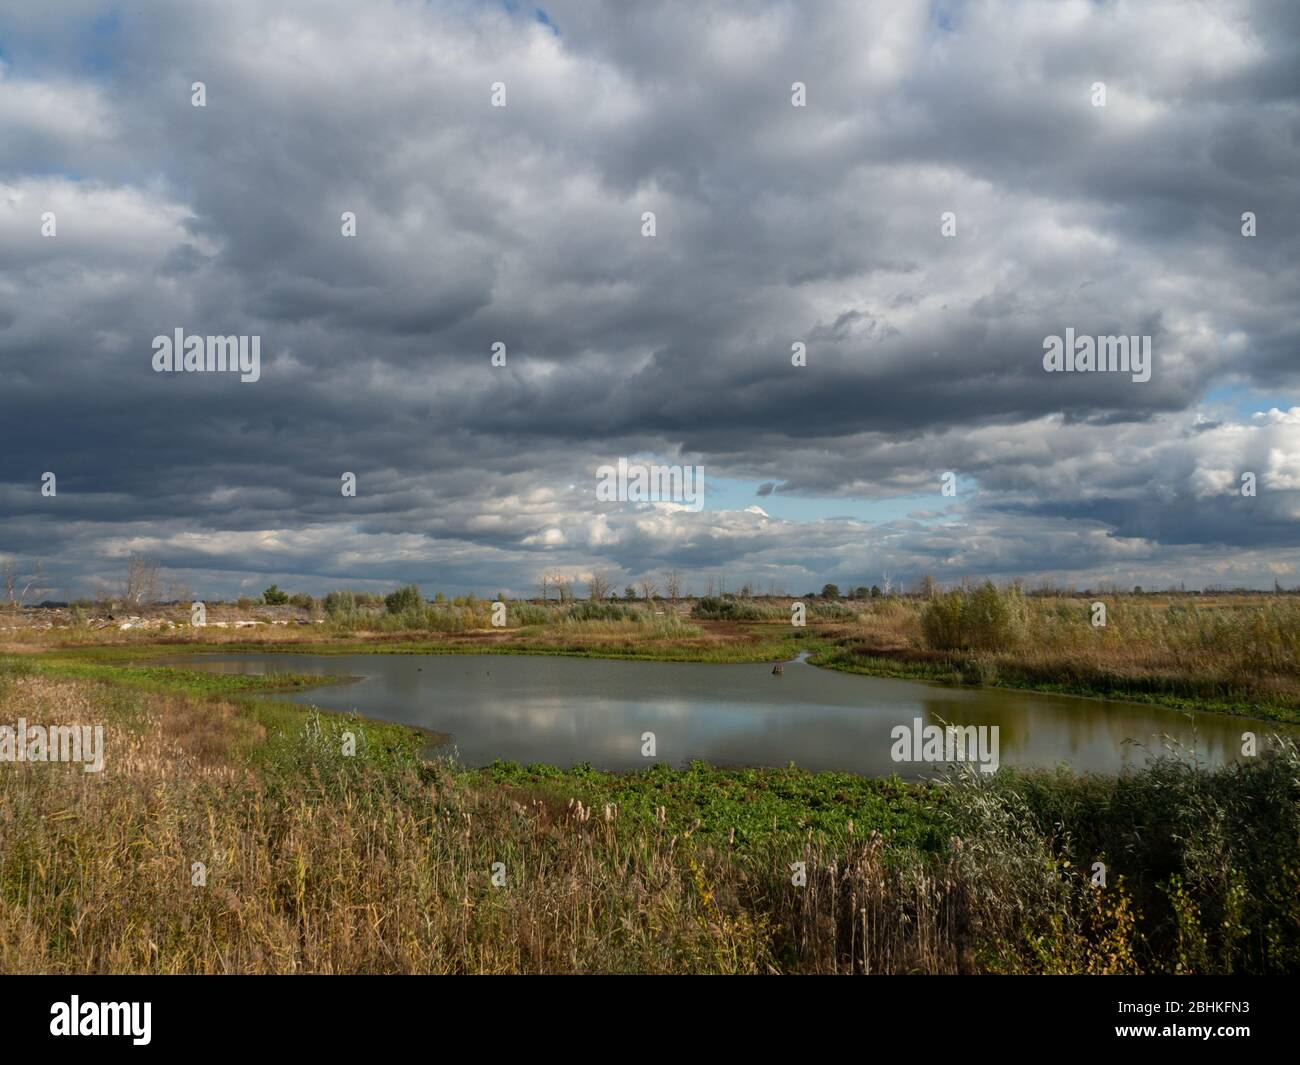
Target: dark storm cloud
x,y
522,224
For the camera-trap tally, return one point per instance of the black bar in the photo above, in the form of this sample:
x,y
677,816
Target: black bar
x,y
339,1013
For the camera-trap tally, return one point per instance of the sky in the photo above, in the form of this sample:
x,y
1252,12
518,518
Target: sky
x,y
774,225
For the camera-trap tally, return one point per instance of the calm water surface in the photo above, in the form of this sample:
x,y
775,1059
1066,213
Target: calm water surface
x,y
568,710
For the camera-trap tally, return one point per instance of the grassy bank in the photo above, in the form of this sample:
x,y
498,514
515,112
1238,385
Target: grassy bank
x,y
1230,654
1068,678
317,861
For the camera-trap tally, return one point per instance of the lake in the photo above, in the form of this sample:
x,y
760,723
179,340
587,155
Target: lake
x,y
562,711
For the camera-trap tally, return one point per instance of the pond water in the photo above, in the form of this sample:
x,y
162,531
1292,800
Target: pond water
x,y
561,711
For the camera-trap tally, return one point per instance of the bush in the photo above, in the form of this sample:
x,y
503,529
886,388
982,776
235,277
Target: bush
x,y
992,620
725,608
404,600
986,619
341,605
941,621
274,597
525,613
714,608
589,610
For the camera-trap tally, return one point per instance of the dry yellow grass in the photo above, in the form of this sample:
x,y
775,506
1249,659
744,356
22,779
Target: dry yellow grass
x,y
1228,652
381,870
316,862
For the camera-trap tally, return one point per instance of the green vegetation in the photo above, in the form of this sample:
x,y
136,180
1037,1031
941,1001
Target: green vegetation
x,y
728,608
117,674
404,600
747,809
223,837
984,619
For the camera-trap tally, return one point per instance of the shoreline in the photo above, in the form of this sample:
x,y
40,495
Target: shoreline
x,y
821,652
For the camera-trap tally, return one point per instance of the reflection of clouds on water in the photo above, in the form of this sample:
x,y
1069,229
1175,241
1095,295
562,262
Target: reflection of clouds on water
x,y
567,710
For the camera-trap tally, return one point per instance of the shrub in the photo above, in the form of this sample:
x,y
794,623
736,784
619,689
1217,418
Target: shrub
x,y
725,608
941,621
341,605
588,610
404,600
525,613
986,619
990,619
274,597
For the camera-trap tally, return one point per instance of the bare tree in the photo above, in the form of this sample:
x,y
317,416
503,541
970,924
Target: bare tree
x,y
544,583
18,585
673,585
599,586
141,584
37,574
563,587
649,589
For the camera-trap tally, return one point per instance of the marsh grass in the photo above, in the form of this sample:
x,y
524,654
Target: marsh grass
x,y
1231,654
382,862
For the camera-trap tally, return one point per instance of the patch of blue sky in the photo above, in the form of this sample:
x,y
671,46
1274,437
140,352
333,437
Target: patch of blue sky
x,y
85,46
721,493
1245,401
514,7
942,15
104,31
